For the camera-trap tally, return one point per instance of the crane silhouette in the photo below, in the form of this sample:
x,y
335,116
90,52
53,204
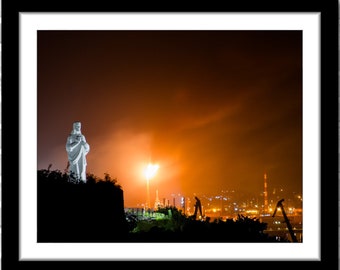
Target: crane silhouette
x,y
198,207
289,226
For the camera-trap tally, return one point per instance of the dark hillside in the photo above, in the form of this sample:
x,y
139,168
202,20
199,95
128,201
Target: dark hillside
x,y
68,212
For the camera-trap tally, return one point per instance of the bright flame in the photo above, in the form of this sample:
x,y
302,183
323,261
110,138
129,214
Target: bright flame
x,y
150,170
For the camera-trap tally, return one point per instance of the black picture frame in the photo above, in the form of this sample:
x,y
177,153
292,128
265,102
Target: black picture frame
x,y
11,147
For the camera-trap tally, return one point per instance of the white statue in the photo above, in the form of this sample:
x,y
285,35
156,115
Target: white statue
x,y
77,148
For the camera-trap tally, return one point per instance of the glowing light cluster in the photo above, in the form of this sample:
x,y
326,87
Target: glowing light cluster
x,y
150,170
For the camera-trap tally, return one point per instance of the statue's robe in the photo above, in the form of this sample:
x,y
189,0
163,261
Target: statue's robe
x,y
77,157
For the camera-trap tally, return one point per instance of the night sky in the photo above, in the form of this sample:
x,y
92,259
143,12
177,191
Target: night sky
x,y
214,109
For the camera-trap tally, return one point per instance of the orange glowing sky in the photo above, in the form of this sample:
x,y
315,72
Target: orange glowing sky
x,y
214,109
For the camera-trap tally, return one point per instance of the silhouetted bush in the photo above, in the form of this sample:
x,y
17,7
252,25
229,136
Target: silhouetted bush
x,y
79,212
177,227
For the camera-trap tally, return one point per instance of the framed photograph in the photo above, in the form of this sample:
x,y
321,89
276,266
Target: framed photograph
x,y
218,127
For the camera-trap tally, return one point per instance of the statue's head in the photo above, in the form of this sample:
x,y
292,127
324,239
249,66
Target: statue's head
x,y
77,126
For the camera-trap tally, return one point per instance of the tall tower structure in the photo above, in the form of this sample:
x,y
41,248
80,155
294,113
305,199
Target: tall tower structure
x,y
157,201
265,194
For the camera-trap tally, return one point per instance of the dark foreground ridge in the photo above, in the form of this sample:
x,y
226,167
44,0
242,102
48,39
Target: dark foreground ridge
x,y
79,212
94,212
